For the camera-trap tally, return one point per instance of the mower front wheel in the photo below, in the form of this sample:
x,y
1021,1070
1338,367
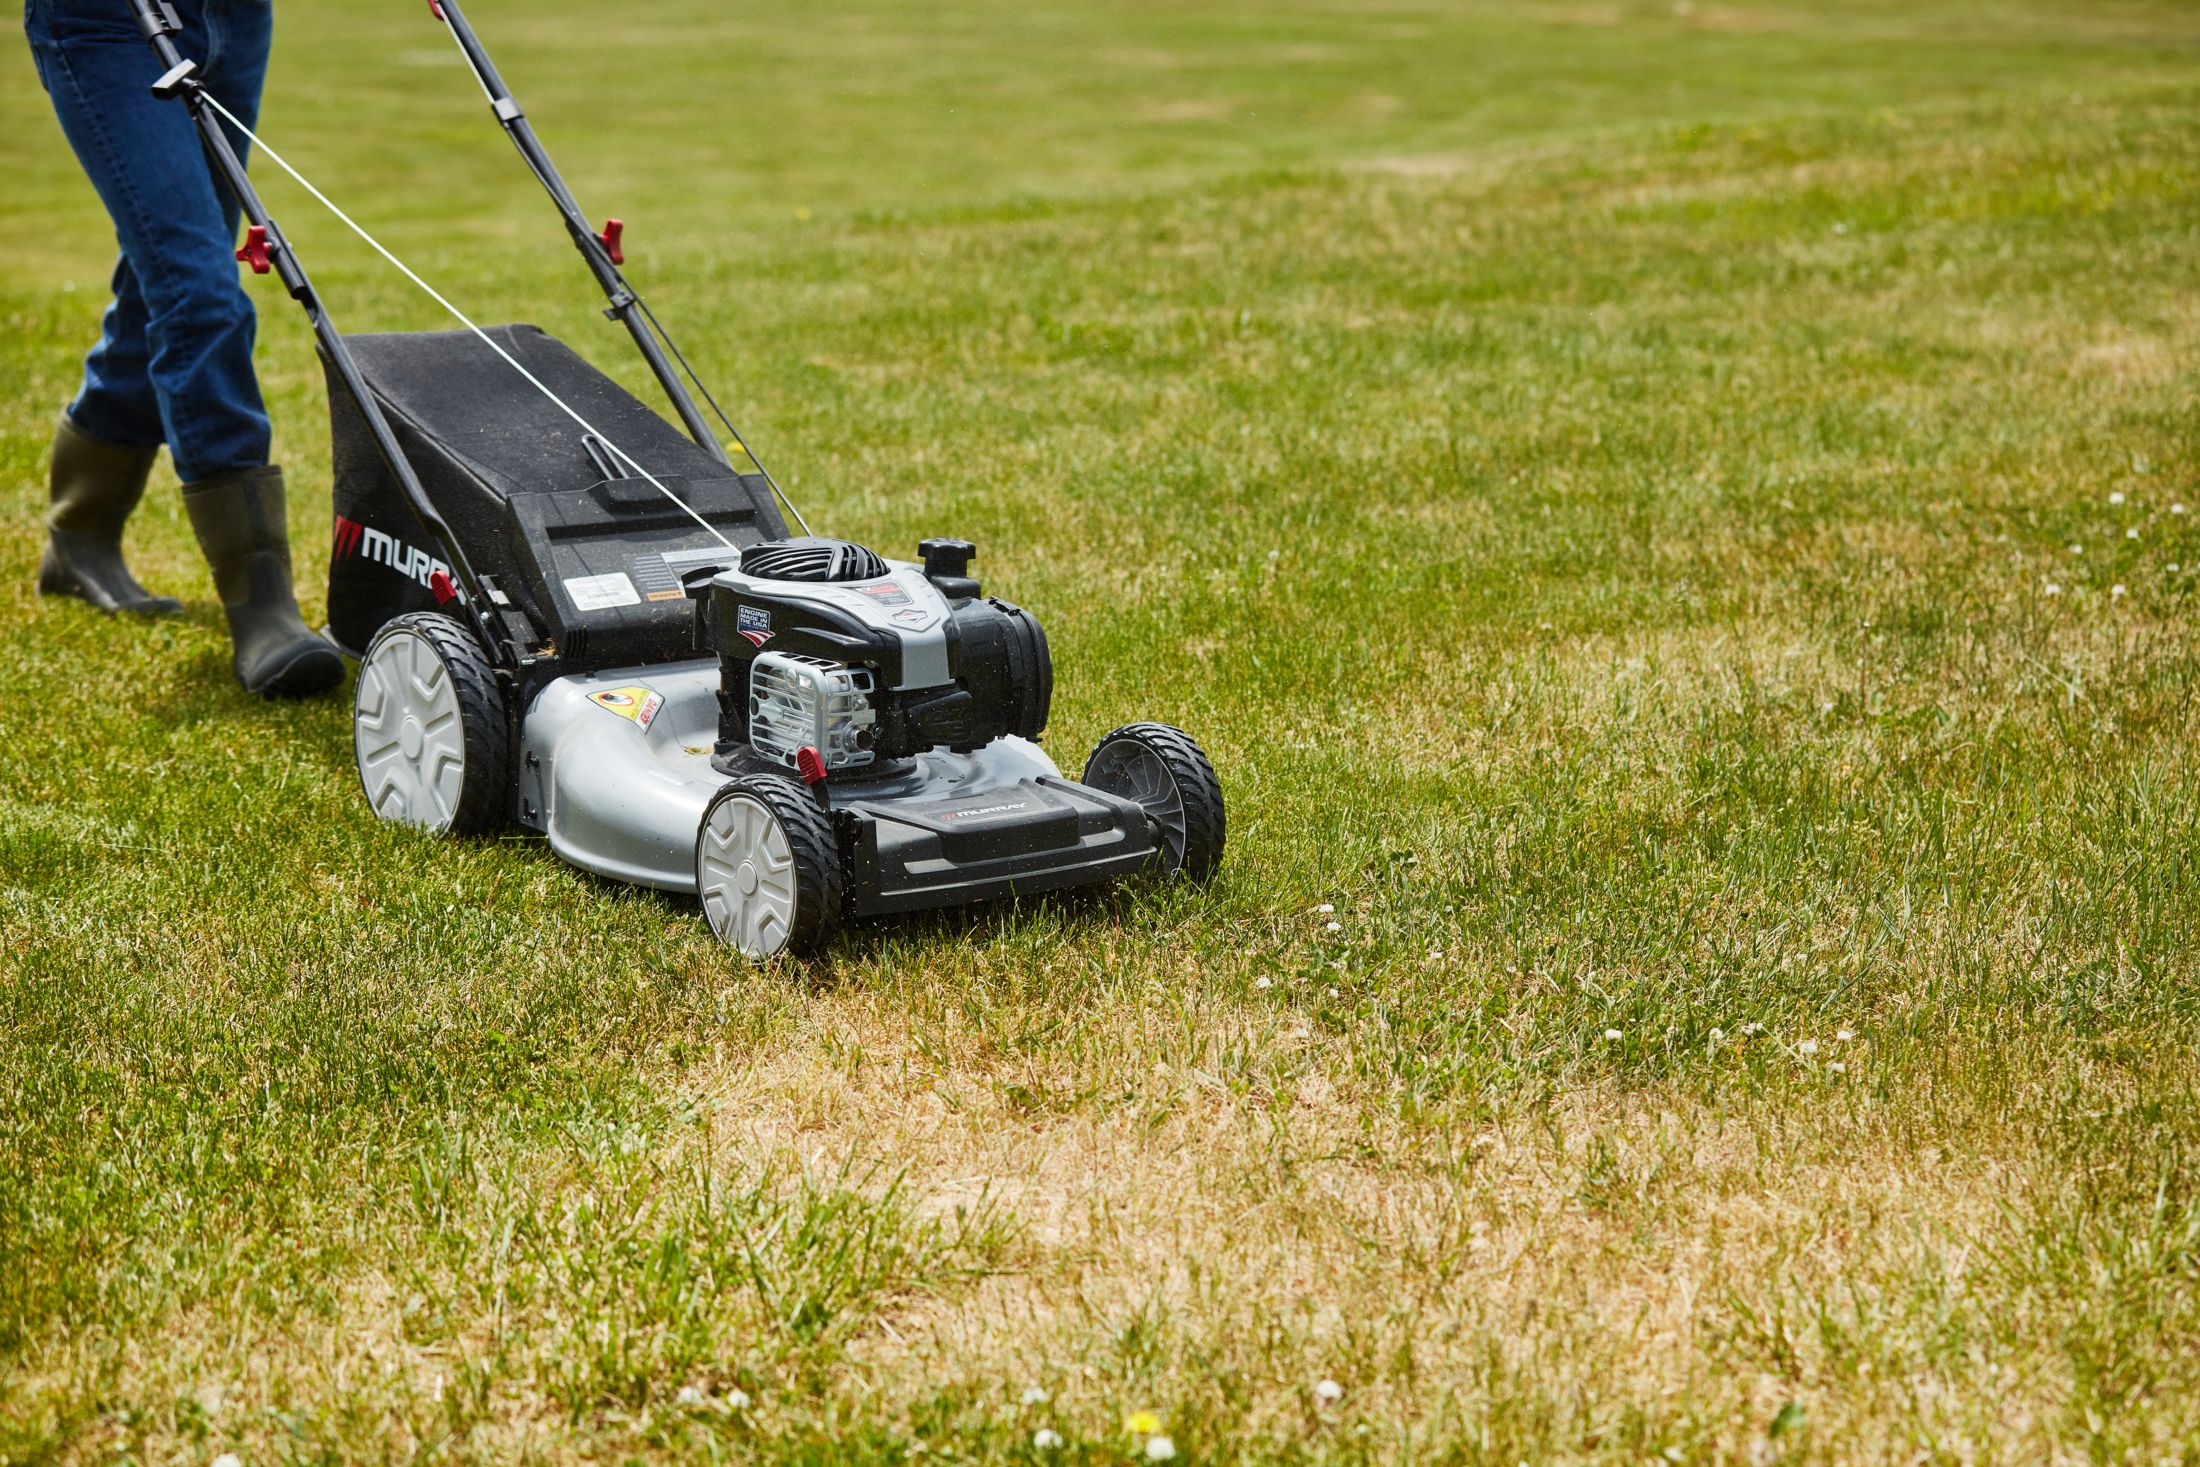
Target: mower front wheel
x,y
1159,767
428,727
767,868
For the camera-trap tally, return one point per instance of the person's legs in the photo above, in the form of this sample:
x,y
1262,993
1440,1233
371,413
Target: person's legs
x,y
105,443
178,231
143,156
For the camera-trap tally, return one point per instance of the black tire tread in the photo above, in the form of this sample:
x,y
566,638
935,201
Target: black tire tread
x,y
1197,784
819,888
482,796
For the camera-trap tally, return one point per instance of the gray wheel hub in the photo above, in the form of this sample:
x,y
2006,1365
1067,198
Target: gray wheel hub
x,y
407,735
1135,772
744,872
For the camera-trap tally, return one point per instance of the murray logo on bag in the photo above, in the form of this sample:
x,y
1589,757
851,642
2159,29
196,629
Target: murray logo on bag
x,y
410,561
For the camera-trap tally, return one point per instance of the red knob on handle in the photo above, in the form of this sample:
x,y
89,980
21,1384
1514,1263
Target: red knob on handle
x,y
254,251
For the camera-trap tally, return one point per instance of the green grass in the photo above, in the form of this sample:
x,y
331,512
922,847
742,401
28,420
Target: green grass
x,y
1632,498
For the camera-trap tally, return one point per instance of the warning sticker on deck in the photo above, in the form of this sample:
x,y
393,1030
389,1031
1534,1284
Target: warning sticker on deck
x,y
637,703
601,593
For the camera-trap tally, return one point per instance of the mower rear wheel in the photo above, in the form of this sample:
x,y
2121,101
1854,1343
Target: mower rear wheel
x,y
1163,771
767,868
428,727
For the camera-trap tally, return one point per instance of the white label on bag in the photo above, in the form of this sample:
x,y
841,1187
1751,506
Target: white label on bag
x,y
600,593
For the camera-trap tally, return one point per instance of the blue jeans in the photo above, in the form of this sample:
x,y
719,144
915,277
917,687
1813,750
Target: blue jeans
x,y
174,360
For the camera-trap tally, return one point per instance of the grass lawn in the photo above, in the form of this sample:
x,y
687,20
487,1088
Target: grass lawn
x,y
1671,520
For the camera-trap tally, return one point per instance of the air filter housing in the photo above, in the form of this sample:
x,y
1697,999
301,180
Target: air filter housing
x,y
812,558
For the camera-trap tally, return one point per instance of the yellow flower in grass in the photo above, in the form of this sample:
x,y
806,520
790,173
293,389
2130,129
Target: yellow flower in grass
x,y
1142,1423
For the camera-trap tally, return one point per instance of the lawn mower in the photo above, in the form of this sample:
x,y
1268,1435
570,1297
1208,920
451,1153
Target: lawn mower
x,y
573,617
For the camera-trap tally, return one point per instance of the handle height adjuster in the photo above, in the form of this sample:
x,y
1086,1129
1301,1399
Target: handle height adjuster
x,y
613,229
254,251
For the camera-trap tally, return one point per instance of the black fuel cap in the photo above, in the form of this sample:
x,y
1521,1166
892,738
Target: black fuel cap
x,y
947,566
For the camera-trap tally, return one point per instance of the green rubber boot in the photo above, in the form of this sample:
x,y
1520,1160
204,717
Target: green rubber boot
x,y
95,485
242,527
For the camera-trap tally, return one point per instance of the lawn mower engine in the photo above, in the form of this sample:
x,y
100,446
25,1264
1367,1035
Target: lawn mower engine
x,y
823,646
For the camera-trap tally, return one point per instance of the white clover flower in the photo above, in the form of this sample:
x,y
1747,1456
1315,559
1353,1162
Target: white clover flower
x,y
2117,497
2116,592
737,1399
1034,1396
1159,1449
1613,1034
689,1396
1753,1028
229,1459
2177,509
1326,908
2173,567
1327,1390
1261,982
1844,1035
1808,1046
1837,1067
1332,927
1717,1035
2051,589
2077,549
1825,707
1435,953
2132,533
1046,1438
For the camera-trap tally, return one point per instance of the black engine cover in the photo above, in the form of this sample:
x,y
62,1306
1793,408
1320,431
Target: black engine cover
x,y
999,677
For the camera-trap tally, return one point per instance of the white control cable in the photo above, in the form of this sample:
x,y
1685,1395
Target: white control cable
x,y
462,318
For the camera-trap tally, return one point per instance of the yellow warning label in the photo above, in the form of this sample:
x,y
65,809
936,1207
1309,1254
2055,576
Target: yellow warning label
x,y
637,703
